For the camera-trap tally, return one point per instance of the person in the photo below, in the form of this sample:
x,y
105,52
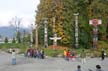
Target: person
x,y
28,52
78,68
35,53
42,54
73,54
83,56
64,53
38,53
13,57
67,55
102,54
98,68
31,52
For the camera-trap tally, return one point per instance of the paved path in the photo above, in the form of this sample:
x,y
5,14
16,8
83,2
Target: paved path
x,y
48,64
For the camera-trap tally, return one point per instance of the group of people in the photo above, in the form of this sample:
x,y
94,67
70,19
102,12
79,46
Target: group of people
x,y
72,55
98,68
35,53
69,55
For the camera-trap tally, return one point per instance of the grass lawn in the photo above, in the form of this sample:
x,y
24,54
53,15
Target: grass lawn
x,y
59,49
20,46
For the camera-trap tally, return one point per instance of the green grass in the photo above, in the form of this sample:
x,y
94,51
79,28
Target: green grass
x,y
54,53
20,46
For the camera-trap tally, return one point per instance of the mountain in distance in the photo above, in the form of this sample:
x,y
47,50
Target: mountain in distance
x,y
10,32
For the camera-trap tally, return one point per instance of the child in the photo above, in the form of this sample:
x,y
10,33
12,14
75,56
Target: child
x,y
64,54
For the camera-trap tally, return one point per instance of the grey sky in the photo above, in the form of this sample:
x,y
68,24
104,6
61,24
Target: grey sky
x,y
24,9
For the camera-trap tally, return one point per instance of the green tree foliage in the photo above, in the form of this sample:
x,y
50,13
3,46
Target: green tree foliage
x,y
6,40
99,11
50,9
24,36
63,10
18,36
27,38
13,40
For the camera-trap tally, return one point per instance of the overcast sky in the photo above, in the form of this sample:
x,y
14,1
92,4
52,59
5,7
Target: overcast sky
x,y
24,9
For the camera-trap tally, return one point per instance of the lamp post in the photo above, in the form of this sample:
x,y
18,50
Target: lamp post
x,y
76,29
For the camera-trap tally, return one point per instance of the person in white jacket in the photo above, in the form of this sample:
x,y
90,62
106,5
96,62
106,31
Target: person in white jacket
x,y
13,57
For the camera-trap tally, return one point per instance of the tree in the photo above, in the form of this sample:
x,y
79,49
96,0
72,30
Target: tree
x,y
27,38
63,10
18,36
50,9
13,40
16,22
6,40
24,36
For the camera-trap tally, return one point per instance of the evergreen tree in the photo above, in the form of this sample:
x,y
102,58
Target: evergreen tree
x,y
6,40
18,36
63,11
13,40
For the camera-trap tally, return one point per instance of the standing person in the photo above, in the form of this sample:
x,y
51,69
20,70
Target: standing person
x,y
13,57
28,52
38,53
31,52
68,55
78,68
64,53
98,68
35,53
83,56
73,54
102,54
42,54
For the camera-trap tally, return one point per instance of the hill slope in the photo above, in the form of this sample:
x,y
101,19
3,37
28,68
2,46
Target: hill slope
x,y
10,32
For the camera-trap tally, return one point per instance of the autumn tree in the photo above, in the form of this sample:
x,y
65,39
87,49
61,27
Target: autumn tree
x,y
63,11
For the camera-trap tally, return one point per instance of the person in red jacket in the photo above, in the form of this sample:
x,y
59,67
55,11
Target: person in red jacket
x,y
67,55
